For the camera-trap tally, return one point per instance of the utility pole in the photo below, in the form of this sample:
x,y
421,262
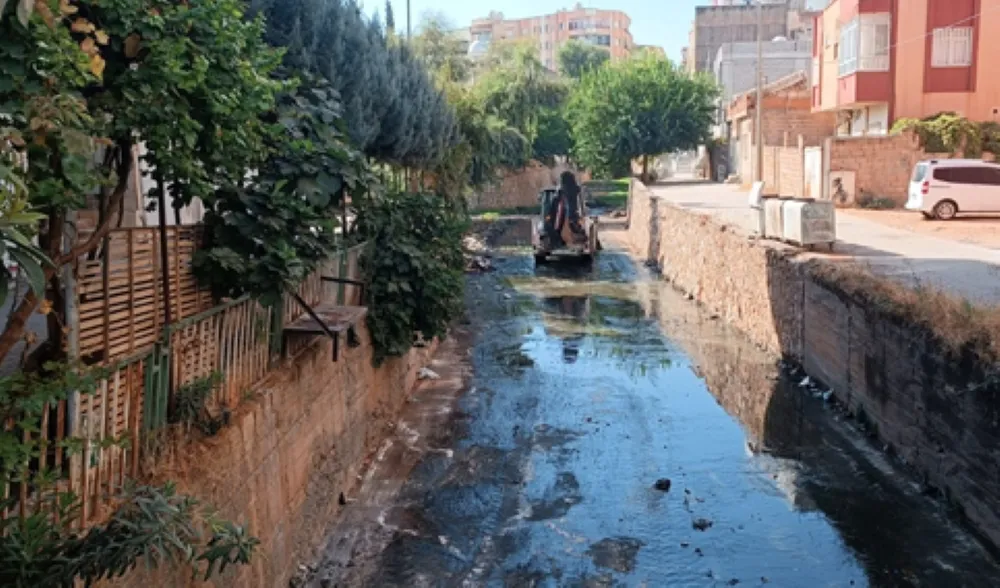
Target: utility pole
x,y
759,107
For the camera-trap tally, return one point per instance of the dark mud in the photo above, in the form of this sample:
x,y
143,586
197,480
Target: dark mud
x,y
588,386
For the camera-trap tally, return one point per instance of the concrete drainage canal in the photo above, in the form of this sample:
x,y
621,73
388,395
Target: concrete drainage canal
x,y
609,433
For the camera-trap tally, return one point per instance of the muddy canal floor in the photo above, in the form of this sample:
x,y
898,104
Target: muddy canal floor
x,y
567,396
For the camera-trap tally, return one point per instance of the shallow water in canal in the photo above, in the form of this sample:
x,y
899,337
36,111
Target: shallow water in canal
x,y
591,384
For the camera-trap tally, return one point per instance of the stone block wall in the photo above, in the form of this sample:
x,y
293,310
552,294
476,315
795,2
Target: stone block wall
x,y
936,409
287,455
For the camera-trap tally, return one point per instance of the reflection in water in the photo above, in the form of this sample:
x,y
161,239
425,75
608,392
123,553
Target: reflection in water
x,y
577,310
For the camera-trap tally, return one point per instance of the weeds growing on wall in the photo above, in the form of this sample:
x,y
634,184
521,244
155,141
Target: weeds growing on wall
x,y
948,132
414,268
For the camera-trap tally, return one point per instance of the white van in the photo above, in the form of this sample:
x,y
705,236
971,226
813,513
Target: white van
x,y
943,188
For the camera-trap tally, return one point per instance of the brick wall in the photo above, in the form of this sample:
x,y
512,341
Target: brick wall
x,y
895,376
783,171
882,165
782,124
520,190
282,463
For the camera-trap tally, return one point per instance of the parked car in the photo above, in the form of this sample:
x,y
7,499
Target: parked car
x,y
944,188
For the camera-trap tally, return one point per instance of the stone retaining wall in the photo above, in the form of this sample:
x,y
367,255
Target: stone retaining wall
x,y
905,385
288,454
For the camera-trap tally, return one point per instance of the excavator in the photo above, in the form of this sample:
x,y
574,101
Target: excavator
x,y
564,231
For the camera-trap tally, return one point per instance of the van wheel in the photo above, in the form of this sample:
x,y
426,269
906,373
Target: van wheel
x,y
945,210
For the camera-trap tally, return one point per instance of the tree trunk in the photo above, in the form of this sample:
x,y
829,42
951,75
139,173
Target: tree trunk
x,y
645,169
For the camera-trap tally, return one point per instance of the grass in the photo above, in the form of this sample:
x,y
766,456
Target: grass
x,y
608,193
961,325
870,202
496,213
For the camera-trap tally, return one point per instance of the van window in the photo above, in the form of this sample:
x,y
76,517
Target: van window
x,y
965,175
919,172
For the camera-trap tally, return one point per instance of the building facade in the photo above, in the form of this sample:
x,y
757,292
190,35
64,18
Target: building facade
x,y
719,24
602,28
877,61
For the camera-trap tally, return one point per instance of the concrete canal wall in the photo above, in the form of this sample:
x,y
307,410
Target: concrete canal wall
x,y
287,455
936,409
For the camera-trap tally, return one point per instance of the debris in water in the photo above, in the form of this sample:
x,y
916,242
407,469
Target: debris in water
x,y
827,394
685,544
699,552
701,524
507,297
663,485
427,374
805,382
733,582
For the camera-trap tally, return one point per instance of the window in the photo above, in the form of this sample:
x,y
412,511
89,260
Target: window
x,y
874,50
849,37
968,175
952,47
864,44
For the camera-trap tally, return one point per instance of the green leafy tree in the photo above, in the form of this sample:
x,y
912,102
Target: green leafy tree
x,y
270,234
441,51
577,58
191,80
521,92
636,109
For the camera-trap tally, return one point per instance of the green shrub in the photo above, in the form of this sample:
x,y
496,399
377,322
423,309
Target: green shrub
x,y
414,267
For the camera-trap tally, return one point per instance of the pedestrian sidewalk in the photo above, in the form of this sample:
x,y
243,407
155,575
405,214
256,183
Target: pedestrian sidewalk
x,y
969,271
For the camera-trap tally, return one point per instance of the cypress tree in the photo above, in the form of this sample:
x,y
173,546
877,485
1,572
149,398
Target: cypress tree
x,y
390,22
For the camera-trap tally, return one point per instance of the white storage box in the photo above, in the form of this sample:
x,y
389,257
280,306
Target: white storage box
x,y
809,222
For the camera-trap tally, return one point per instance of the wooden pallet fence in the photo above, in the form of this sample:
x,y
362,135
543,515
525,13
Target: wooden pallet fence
x,y
120,296
96,470
232,339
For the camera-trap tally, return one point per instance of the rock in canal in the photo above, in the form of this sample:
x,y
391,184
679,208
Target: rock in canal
x,y
663,485
701,524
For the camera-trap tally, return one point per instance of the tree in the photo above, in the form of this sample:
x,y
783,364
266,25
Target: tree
x,y
577,58
519,90
440,51
390,20
635,109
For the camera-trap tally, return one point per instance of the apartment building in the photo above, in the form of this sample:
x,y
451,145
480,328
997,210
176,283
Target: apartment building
x,y
737,22
876,61
602,28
